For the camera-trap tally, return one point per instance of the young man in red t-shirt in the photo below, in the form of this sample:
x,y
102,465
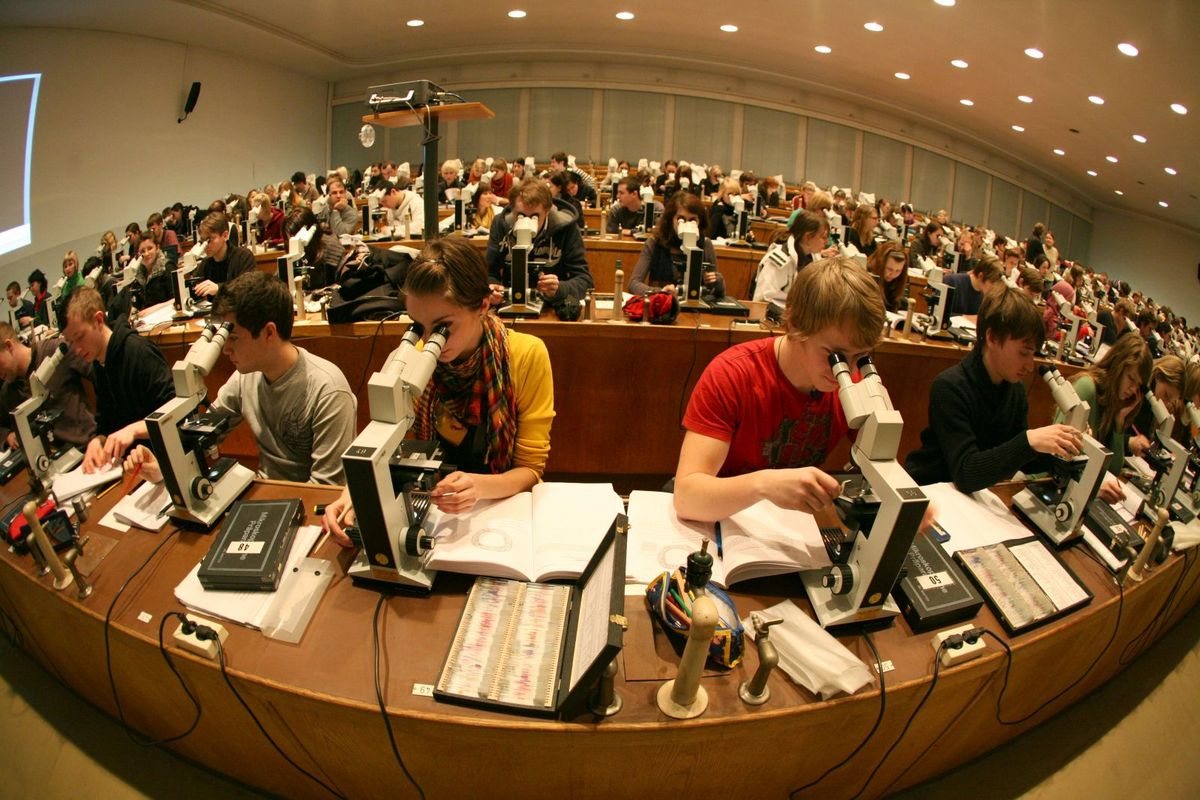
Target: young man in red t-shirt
x,y
765,414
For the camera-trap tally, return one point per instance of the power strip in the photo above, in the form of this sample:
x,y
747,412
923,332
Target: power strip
x,y
206,648
952,656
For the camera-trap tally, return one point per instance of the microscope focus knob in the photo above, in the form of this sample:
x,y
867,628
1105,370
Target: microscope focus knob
x,y
838,579
1062,511
43,463
202,488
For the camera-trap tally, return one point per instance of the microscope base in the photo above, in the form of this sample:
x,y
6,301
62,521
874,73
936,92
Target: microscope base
x,y
204,515
838,612
530,310
67,461
1043,518
410,578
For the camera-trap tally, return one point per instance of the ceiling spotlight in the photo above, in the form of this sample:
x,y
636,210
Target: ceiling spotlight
x,y
625,15
967,102
1118,191
1111,159
1093,173
1033,52
729,28
1024,98
1059,151
1018,129
415,23
1179,108
903,76
1170,170
946,3
517,13
1096,99
874,27
1137,137
823,49
958,62
1127,49
1163,203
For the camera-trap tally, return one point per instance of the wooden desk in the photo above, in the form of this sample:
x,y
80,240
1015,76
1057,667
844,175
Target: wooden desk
x,y
316,698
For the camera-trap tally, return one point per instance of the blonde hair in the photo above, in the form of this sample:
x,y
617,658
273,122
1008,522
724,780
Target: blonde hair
x,y
831,293
820,201
85,302
1170,369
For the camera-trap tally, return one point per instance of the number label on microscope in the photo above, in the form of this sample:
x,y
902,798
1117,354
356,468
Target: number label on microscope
x,y
935,580
244,548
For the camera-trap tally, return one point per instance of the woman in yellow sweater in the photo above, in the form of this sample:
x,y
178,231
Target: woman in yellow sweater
x,y
490,401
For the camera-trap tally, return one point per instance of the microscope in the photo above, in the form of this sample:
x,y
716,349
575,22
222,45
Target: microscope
x,y
128,280
183,439
389,478
741,219
888,504
35,427
937,297
185,308
1057,508
1169,459
693,275
647,196
1070,331
523,274
285,266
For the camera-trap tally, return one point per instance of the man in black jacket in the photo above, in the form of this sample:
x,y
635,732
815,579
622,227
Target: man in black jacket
x,y
131,377
223,261
558,251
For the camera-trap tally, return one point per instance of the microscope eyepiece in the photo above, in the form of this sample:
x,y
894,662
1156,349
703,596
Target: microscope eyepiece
x,y
836,358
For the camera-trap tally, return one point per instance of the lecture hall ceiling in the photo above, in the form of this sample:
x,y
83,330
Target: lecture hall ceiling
x,y
1080,64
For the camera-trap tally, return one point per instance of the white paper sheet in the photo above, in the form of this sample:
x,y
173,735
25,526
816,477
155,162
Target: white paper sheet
x,y
76,482
659,541
970,522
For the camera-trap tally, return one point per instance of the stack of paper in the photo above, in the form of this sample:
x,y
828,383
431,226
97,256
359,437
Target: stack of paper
x,y
74,483
144,508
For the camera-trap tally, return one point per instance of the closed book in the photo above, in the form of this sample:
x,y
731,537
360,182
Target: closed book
x,y
252,546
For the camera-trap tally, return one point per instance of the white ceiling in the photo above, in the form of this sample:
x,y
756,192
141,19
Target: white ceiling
x,y
342,40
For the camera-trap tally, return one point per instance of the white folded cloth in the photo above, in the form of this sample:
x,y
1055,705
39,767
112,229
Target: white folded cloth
x,y
810,655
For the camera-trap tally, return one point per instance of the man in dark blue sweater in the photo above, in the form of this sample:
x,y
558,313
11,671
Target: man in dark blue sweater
x,y
978,412
970,287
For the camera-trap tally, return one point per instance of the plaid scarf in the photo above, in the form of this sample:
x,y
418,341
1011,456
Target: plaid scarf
x,y
461,389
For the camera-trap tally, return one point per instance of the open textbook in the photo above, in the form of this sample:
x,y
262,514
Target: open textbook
x,y
545,534
756,542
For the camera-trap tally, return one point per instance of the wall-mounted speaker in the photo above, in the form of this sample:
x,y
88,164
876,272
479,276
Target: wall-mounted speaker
x,y
190,105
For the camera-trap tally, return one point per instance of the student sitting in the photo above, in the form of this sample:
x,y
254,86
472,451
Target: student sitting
x,y
890,264
627,213
1168,377
17,362
968,288
786,258
41,297
223,261
765,413
663,263
490,401
19,308
131,377
299,406
978,411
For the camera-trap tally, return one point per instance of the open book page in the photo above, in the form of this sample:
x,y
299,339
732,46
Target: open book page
x,y
569,520
659,541
970,522
146,507
495,538
765,539
76,482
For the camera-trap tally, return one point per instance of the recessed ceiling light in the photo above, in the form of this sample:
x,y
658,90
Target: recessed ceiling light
x,y
625,15
874,27
823,49
1179,108
1170,170
1093,173
958,62
1163,203
1127,49
415,23
1137,137
903,76
516,13
729,28
1118,191
967,102
946,3
1111,159
1018,129
1033,52
1096,99
1024,98
1059,151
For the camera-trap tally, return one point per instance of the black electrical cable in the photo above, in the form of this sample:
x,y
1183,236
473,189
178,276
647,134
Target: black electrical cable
x,y
691,366
171,664
379,697
1008,664
370,353
225,674
937,668
870,733
112,682
1138,642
